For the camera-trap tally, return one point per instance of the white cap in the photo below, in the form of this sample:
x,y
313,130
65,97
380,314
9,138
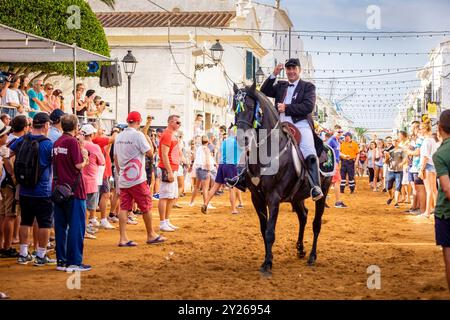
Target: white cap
x,y
88,129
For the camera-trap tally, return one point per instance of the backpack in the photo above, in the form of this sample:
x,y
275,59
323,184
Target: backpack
x,y
27,168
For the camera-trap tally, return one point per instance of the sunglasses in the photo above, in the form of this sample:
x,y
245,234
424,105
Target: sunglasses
x,y
49,89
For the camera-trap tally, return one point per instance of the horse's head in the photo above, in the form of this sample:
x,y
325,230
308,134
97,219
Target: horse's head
x,y
248,113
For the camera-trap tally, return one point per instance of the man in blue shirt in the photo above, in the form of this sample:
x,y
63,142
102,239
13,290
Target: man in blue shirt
x,y
228,161
36,98
55,130
333,142
35,202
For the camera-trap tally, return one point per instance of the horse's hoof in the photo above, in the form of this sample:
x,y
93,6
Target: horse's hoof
x,y
311,261
265,272
301,254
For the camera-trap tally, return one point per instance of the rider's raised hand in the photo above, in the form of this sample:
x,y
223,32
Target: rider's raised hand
x,y
278,69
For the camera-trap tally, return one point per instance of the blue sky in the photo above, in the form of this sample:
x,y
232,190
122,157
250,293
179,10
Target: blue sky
x,y
396,15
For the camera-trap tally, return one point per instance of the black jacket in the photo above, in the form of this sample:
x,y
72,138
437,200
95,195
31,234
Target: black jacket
x,y
302,105
303,101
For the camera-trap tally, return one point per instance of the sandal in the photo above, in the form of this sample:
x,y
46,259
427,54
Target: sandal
x,y
130,243
158,239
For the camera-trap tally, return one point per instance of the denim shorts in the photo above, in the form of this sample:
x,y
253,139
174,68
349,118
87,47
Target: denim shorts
x,y
430,168
92,201
396,177
202,174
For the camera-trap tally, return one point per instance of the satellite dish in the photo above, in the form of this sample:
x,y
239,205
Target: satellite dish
x,y
93,67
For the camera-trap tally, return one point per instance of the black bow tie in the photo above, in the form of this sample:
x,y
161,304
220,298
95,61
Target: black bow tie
x,y
291,85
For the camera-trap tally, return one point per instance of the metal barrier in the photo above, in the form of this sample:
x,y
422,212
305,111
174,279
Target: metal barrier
x,y
108,124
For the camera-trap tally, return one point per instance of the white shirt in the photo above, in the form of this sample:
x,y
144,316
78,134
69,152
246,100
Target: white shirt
x,y
12,96
288,100
427,149
130,148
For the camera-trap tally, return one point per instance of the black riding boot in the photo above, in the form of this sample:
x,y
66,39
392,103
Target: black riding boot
x,y
238,181
312,164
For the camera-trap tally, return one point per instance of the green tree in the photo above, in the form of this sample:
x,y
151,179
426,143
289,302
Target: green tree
x,y
48,18
360,133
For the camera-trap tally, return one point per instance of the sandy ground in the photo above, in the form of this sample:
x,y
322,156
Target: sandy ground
x,y
217,256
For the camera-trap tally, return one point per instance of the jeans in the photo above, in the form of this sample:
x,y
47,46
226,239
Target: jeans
x,y
70,225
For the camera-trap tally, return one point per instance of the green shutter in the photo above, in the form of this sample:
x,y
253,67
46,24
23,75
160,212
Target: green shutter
x,y
249,65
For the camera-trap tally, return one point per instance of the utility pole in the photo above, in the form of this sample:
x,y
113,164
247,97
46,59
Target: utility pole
x,y
290,42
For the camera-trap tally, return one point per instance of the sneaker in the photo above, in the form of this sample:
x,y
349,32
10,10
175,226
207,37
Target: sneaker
x,y
45,261
156,196
166,228
210,206
25,260
94,222
131,221
80,268
113,219
9,253
396,205
91,229
389,201
104,224
61,266
340,205
172,226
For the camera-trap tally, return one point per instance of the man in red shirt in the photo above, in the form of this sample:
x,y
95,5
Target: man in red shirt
x,y
105,144
169,160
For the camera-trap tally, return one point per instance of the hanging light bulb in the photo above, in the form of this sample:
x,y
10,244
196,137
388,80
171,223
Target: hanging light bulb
x,y
26,40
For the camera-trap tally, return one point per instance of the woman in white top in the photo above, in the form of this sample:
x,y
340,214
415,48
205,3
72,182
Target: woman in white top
x,y
23,96
202,167
427,170
371,162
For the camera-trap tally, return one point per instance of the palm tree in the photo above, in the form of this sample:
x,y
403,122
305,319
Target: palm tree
x,y
109,3
360,133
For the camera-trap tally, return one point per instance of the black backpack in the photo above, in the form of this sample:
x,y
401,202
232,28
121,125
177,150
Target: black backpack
x,y
27,168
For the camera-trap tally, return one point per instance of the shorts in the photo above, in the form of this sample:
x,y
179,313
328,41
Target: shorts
x,y
410,177
394,177
168,190
442,230
39,208
405,179
180,171
105,187
430,168
202,174
225,171
8,202
213,175
337,175
140,194
92,201
417,180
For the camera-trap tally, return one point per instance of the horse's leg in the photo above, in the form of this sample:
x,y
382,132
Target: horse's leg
x,y
266,267
302,214
317,223
261,210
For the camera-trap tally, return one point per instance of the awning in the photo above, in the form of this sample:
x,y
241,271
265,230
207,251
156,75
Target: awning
x,y
20,46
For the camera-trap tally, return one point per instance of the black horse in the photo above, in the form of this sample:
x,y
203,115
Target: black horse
x,y
268,191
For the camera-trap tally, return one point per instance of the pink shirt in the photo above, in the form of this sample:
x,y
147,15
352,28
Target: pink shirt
x,y
90,172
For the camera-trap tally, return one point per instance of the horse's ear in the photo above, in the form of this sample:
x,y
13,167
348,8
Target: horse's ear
x,y
235,88
253,87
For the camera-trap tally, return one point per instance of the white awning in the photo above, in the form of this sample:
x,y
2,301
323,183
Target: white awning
x,y
20,46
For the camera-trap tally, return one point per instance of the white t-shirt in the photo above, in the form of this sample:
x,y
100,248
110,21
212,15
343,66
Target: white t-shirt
x,y
428,148
130,148
12,96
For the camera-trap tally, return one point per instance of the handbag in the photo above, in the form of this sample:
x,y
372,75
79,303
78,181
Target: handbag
x,y
63,193
164,175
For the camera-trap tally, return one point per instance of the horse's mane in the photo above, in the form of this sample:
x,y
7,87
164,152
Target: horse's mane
x,y
265,102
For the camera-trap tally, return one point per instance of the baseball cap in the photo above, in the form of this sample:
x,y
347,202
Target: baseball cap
x,y
41,118
348,134
293,62
88,129
134,116
56,115
4,129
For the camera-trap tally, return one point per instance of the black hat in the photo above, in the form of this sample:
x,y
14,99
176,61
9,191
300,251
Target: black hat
x,y
293,62
90,92
56,115
41,118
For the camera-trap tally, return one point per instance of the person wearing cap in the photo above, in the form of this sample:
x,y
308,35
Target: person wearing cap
x,y
55,130
90,175
69,159
35,202
130,149
295,101
348,154
334,143
395,159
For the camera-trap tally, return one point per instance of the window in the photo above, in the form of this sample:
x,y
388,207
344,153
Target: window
x,y
250,64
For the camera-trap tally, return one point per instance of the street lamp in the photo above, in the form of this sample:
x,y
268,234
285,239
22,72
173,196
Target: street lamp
x,y
259,76
129,65
216,56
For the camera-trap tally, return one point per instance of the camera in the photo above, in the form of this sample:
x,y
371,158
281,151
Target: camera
x,y
6,76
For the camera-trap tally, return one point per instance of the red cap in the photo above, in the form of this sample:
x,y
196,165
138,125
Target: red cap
x,y
134,116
